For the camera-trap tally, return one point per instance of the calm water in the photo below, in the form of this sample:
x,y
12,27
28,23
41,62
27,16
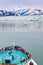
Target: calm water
x,y
31,41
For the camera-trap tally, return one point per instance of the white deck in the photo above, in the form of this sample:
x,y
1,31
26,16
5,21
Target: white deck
x,y
32,61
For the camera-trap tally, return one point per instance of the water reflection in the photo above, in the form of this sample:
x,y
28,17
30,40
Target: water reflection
x,y
21,25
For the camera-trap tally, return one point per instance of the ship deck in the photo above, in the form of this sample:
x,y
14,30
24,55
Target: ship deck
x,y
13,55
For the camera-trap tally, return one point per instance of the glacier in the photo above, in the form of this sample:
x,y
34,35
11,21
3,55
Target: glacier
x,y
21,23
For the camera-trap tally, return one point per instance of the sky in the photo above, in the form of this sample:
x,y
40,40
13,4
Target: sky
x,y
4,4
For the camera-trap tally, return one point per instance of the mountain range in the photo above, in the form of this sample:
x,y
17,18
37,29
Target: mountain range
x,y
21,12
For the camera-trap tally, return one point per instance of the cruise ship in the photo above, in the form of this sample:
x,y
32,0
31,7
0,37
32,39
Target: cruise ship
x,y
15,55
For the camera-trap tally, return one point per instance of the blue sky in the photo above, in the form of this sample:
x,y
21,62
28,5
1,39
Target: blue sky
x,y
20,3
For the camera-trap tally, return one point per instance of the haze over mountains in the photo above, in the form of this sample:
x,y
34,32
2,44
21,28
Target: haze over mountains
x,y
21,12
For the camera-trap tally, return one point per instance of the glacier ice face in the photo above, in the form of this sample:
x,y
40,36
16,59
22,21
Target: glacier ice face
x,y
21,24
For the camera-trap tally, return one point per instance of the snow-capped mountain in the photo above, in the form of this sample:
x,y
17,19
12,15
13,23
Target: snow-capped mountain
x,y
21,12
37,12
